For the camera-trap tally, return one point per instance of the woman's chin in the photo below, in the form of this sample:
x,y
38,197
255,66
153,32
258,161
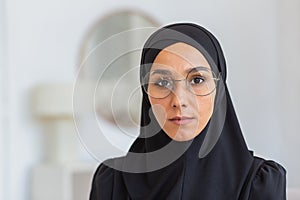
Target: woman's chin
x,y
182,136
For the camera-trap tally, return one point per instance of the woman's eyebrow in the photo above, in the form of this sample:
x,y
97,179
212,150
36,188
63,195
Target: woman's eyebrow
x,y
161,71
195,69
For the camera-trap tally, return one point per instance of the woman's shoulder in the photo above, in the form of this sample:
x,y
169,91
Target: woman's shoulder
x,y
103,172
270,169
269,181
103,181
106,170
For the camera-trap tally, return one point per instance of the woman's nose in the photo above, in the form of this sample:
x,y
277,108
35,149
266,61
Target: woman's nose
x,y
180,95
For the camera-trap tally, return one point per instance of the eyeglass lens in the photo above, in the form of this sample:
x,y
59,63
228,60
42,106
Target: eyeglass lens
x,y
200,81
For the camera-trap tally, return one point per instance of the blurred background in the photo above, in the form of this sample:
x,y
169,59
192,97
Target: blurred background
x,y
43,44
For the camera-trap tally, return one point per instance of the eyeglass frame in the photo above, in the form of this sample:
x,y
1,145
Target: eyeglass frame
x,y
218,78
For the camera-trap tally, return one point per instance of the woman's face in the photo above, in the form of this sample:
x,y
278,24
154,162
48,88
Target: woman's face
x,y
181,114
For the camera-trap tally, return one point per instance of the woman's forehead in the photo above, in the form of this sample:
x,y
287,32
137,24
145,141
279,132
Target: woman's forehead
x,y
179,57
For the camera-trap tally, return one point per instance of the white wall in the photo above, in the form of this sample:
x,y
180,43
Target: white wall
x,y
3,100
43,40
289,52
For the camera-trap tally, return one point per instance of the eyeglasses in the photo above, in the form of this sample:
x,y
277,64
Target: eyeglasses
x,y
200,81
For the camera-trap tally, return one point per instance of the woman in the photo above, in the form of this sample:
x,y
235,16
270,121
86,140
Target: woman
x,y
190,144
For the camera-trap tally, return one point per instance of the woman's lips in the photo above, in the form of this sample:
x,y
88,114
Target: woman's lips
x,y
181,120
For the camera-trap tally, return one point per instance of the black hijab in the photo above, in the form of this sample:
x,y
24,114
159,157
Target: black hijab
x,y
214,165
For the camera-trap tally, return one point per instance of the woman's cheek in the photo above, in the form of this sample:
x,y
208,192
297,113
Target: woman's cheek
x,y
159,113
205,108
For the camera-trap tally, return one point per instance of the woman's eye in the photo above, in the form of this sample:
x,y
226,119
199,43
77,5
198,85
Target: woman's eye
x,y
163,83
197,80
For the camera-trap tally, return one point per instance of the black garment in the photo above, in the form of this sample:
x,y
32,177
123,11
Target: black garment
x,y
215,165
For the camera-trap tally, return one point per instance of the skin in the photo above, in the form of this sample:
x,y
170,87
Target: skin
x,y
180,58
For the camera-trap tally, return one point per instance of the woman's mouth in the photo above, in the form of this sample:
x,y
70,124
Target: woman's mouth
x,y
181,120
